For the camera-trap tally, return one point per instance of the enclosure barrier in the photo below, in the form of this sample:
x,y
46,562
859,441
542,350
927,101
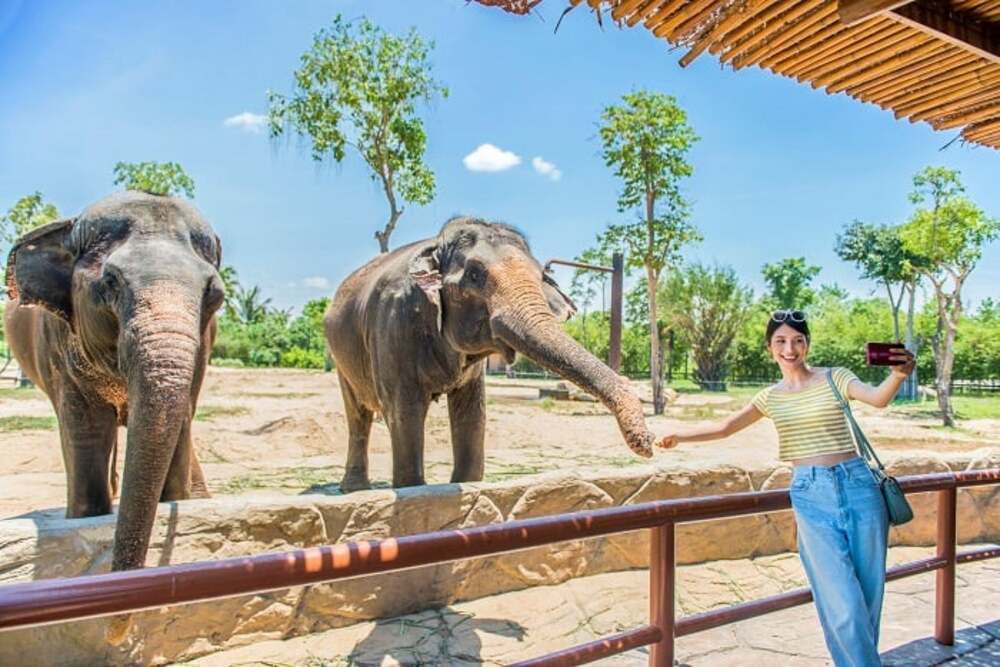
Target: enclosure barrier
x,y
58,600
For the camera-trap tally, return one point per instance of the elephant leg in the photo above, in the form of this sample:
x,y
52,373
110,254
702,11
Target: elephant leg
x,y
178,483
467,414
406,428
359,426
89,433
199,487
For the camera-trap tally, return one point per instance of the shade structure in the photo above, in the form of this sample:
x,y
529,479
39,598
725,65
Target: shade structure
x,y
933,61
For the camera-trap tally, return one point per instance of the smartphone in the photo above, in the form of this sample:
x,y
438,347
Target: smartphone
x,y
877,354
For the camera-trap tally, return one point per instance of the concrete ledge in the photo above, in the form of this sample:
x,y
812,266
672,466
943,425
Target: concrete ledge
x,y
44,545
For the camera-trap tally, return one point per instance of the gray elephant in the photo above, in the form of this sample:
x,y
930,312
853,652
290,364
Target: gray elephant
x,y
419,322
113,318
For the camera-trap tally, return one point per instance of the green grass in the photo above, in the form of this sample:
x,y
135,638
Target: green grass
x,y
508,470
22,423
548,404
210,412
966,407
301,477
21,394
277,394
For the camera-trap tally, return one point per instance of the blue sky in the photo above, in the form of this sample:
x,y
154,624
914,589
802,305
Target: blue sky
x,y
779,170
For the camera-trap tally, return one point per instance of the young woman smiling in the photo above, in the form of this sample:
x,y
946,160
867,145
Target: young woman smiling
x,y
839,511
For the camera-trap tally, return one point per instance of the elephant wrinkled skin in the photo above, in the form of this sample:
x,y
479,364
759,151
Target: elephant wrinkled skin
x,y
419,322
113,317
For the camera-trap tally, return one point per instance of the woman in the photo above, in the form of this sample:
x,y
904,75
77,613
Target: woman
x,y
839,510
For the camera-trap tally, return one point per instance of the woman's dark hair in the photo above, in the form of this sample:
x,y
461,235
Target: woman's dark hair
x,y
773,325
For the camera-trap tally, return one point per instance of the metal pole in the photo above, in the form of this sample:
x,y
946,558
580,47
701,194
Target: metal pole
x,y
661,593
617,280
944,608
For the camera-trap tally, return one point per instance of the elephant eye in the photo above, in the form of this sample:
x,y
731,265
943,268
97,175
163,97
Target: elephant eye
x,y
475,275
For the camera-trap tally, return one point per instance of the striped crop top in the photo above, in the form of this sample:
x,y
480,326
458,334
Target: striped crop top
x,y
809,422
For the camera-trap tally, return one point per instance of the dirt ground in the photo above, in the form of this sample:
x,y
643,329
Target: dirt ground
x,y
284,430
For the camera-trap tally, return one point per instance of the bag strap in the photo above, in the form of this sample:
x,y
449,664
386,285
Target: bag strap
x,y
863,445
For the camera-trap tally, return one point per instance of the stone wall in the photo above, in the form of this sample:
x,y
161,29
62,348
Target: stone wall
x,y
43,545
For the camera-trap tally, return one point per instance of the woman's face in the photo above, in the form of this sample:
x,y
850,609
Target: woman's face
x,y
788,347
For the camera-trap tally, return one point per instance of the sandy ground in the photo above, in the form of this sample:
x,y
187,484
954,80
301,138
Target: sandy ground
x,y
284,430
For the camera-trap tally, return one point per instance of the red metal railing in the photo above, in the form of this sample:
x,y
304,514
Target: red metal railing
x,y
59,600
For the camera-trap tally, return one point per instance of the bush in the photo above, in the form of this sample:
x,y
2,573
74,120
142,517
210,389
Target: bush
x,y
298,357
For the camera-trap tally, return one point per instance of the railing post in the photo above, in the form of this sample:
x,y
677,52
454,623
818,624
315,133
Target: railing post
x,y
944,615
661,593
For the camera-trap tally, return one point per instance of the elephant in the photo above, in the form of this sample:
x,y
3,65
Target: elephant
x,y
419,322
113,317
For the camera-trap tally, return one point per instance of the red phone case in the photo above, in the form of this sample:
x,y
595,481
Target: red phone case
x,y
877,354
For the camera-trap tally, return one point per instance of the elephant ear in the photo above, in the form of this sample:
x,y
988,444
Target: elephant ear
x,y
560,304
425,272
40,269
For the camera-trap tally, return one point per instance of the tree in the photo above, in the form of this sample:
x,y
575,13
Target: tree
x,y
28,212
358,87
155,178
881,255
250,308
789,282
708,306
586,283
645,141
946,237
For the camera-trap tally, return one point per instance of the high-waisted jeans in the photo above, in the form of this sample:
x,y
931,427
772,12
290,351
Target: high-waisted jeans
x,y
843,529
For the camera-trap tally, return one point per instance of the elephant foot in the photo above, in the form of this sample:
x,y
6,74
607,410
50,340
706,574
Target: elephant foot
x,y
81,511
466,476
355,481
200,491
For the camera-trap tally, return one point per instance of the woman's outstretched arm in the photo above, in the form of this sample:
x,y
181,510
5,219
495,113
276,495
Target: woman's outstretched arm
x,y
883,394
715,430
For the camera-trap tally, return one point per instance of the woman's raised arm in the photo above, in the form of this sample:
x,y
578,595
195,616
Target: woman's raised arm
x,y
715,430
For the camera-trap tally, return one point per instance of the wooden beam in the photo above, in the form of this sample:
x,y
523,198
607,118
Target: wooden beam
x,y
855,11
961,30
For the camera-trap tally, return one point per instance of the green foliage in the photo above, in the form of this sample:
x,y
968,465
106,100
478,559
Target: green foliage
x,y
28,212
155,178
789,282
707,306
358,86
878,251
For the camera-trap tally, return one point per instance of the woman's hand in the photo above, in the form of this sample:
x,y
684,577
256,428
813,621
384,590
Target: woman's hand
x,y
668,441
907,361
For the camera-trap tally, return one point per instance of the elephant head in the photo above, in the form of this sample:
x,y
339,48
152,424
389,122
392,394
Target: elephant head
x,y
491,295
136,278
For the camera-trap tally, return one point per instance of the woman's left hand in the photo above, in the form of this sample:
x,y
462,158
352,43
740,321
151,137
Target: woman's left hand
x,y
904,361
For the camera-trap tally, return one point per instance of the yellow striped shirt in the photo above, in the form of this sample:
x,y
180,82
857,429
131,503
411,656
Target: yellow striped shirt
x,y
809,422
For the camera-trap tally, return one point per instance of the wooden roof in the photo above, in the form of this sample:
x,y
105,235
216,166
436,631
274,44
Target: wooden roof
x,y
932,60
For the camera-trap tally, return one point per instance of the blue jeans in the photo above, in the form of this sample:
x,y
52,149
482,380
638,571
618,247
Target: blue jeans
x,y
843,530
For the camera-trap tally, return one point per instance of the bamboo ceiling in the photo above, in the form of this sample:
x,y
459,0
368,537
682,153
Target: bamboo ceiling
x,y
898,58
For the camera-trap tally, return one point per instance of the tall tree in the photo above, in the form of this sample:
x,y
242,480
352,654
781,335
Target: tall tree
x,y
946,235
358,87
28,212
646,140
708,306
789,282
879,252
156,178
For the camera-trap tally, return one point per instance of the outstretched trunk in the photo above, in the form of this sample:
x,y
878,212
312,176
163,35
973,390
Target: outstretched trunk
x,y
522,319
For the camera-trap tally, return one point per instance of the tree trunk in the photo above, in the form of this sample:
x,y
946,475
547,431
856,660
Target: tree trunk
x,y
946,362
894,304
911,387
654,343
390,226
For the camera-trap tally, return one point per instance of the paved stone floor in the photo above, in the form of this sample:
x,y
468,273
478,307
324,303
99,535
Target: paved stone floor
x,y
515,626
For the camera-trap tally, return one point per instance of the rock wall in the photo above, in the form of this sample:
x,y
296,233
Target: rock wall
x,y
44,545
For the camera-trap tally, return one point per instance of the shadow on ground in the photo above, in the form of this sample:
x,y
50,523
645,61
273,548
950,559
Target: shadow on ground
x,y
977,646
434,637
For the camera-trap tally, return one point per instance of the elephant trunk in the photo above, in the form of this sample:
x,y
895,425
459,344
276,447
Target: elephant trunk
x,y
522,319
160,343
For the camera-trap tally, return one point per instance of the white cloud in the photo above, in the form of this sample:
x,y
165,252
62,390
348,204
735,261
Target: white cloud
x,y
546,168
316,282
488,157
246,121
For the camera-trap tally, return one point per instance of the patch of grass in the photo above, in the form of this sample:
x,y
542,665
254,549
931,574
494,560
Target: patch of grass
x,y
966,407
276,394
210,412
18,394
508,470
548,404
298,478
22,423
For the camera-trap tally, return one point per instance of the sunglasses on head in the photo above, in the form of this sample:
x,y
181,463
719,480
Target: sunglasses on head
x,y
789,315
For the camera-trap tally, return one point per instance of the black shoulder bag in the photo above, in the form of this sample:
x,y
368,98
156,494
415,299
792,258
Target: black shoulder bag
x,y
895,500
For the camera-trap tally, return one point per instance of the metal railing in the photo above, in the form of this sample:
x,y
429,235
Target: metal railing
x,y
59,600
